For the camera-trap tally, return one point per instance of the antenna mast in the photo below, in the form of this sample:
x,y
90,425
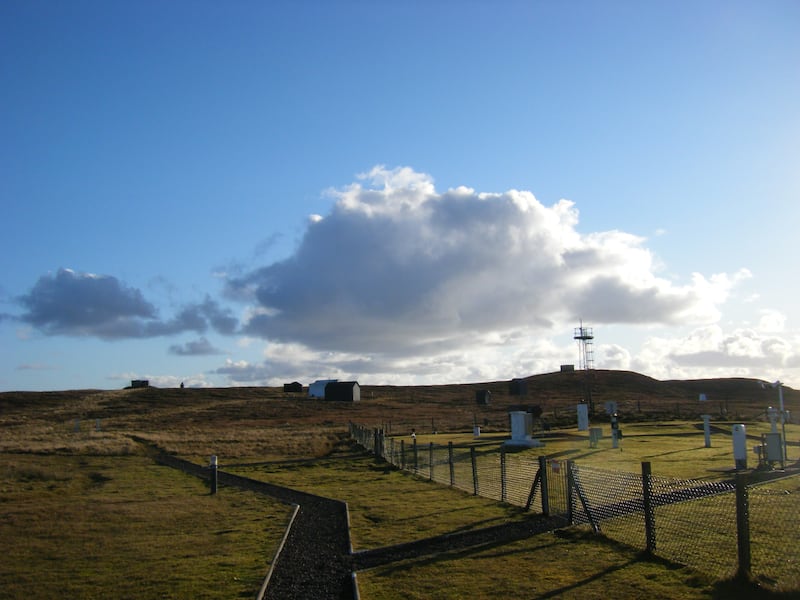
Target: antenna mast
x,y
585,336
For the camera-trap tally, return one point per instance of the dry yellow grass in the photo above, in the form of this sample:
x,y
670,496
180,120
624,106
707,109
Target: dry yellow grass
x,y
83,526
245,425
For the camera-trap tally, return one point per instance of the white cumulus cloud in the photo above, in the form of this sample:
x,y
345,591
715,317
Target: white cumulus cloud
x,y
402,270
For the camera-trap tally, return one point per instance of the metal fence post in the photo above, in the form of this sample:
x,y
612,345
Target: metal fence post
x,y
214,474
573,483
452,466
502,474
430,462
416,457
570,492
649,514
545,488
743,526
403,454
474,470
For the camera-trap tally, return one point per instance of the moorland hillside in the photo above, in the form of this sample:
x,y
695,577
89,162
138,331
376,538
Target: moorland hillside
x,y
268,421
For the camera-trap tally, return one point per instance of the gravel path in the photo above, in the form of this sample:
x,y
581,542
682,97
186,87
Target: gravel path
x,y
316,561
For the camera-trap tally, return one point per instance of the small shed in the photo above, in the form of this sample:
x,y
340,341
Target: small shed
x,y
567,368
295,386
343,391
483,397
518,387
140,383
317,389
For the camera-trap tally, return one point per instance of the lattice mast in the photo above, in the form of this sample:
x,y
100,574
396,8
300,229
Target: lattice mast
x,y
585,338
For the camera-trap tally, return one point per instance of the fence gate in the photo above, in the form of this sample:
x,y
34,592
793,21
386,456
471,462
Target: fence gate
x,y
558,486
552,486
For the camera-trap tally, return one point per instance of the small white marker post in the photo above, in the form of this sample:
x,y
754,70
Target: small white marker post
x,y
772,415
739,434
707,429
213,467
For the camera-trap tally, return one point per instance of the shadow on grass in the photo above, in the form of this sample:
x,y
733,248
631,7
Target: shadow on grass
x,y
406,564
738,589
581,456
557,593
675,452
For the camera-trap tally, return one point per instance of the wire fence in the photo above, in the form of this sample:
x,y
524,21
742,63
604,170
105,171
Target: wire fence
x,y
723,528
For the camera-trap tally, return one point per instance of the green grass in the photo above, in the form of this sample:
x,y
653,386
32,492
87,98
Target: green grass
x,y
123,527
386,505
84,515
562,565
700,532
675,449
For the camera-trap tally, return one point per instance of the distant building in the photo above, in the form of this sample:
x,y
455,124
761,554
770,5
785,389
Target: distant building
x,y
483,397
518,387
567,368
317,389
295,386
343,391
140,383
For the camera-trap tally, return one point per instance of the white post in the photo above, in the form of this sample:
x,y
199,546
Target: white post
x,y
213,467
614,431
583,416
740,446
772,415
707,429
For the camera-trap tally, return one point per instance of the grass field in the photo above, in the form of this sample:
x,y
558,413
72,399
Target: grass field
x,y
85,513
674,449
123,527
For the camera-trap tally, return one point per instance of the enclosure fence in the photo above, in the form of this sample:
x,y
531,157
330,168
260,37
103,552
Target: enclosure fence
x,y
723,528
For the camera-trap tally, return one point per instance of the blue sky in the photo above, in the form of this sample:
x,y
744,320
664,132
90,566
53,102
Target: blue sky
x,y
396,192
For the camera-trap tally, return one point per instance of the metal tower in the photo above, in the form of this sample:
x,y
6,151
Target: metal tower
x,y
584,336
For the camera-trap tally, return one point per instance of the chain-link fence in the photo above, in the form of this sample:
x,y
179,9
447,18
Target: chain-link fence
x,y
774,532
722,528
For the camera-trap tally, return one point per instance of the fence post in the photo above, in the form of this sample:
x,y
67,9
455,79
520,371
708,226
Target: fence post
x,y
213,478
743,526
452,466
570,492
416,457
430,462
403,454
502,474
649,514
575,487
473,458
545,488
